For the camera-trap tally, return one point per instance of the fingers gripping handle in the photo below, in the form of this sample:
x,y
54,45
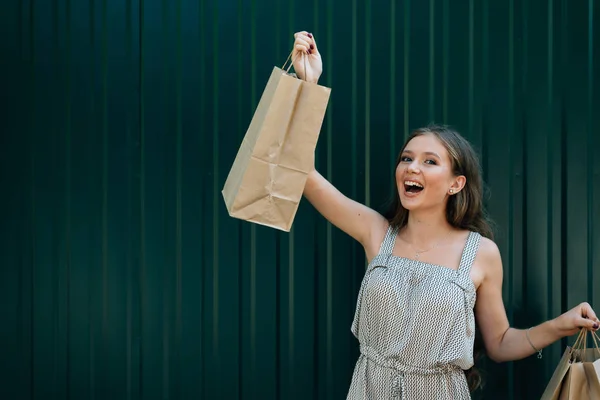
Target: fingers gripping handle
x,y
292,63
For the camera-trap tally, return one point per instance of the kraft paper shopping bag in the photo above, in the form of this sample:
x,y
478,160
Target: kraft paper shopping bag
x,y
576,376
267,178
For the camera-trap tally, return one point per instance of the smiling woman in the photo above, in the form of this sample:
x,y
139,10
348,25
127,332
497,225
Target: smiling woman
x,y
424,297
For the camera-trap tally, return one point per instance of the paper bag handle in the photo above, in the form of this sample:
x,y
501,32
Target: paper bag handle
x,y
581,341
596,340
292,63
583,334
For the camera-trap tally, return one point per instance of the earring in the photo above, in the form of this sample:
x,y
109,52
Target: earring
x,y
451,191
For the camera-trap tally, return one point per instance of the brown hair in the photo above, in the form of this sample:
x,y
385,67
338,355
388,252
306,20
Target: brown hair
x,y
464,210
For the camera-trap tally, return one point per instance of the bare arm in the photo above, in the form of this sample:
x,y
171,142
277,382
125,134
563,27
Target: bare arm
x,y
504,343
357,220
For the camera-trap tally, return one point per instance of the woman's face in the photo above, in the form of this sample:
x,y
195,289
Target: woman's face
x,y
424,175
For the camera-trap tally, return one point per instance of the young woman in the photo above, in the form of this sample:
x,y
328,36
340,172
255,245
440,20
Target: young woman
x,y
433,270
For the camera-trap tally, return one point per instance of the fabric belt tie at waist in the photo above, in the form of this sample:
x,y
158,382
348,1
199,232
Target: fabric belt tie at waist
x,y
376,357
403,369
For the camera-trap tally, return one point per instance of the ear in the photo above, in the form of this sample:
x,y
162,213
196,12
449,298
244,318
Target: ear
x,y
457,185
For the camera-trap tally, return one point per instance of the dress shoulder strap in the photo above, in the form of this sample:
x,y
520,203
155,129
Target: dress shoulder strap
x,y
387,245
469,252
385,249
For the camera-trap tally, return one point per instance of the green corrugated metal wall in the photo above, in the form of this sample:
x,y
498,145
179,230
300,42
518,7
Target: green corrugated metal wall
x,y
124,278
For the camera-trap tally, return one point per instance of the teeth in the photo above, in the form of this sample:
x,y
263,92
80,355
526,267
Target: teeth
x,y
411,183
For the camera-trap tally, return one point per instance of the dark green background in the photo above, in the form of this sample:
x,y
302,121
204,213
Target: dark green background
x,y
123,276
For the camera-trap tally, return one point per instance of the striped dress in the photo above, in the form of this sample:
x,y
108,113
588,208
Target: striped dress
x,y
416,327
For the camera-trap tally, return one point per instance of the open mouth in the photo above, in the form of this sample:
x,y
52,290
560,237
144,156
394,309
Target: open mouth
x,y
412,187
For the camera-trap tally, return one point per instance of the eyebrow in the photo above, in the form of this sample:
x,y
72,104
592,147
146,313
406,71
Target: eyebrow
x,y
431,153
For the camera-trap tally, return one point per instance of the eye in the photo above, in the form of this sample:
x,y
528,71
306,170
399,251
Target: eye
x,y
405,159
430,161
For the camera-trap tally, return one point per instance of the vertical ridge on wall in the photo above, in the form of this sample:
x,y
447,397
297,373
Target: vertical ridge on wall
x,y
67,200
53,277
204,233
556,162
353,186
53,153
563,133
393,89
509,289
240,97
242,367
21,375
253,237
163,338
131,384
577,263
215,189
90,303
291,314
104,350
446,56
595,143
178,205
483,128
431,80
331,379
32,117
367,80
406,58
286,314
522,130
142,199
594,135
550,161
354,102
590,153
471,73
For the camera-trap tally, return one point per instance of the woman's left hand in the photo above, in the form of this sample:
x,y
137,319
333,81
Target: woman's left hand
x,y
581,316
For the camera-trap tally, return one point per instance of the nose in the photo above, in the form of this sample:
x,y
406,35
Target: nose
x,y
412,167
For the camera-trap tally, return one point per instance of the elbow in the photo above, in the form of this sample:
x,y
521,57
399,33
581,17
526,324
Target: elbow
x,y
497,358
496,355
496,349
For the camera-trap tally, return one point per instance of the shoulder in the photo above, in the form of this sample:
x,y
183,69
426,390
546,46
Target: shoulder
x,y
489,259
488,249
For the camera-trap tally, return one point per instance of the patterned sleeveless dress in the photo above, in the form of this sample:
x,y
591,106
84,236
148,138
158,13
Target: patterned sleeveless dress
x,y
416,327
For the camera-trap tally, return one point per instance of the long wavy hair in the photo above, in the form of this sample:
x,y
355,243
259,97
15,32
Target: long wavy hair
x,y
464,210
